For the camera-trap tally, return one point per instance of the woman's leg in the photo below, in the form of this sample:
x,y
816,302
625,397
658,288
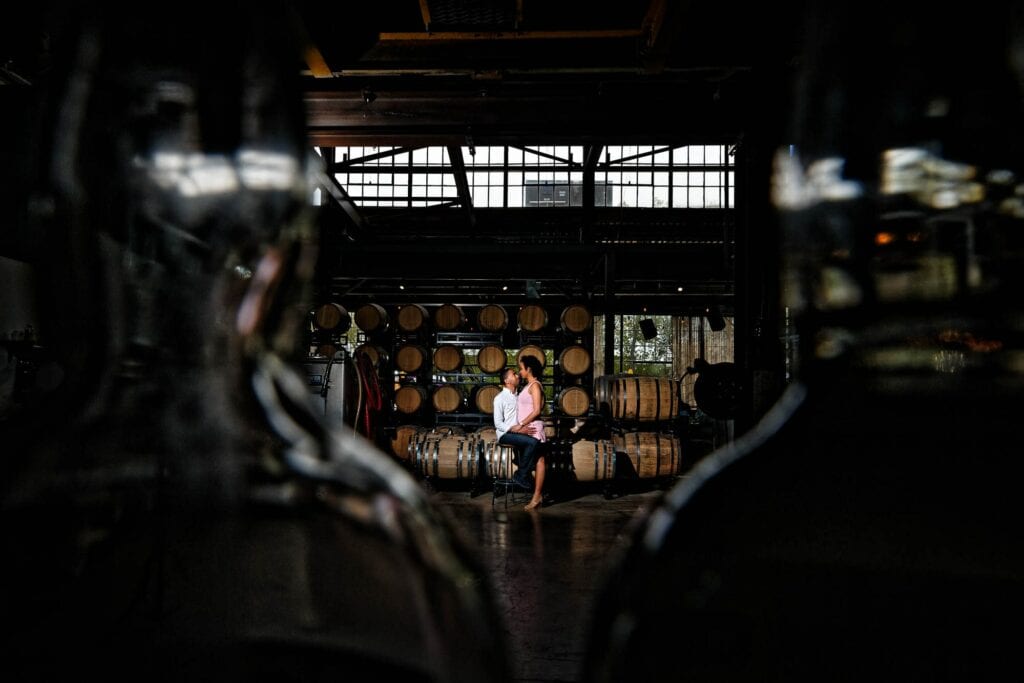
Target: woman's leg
x,y
538,489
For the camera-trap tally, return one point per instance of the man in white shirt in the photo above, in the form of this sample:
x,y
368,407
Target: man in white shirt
x,y
507,428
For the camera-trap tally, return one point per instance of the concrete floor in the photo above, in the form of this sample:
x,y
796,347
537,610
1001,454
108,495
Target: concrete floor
x,y
547,565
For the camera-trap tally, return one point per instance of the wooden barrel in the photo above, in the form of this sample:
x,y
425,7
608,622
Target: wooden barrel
x,y
492,318
491,358
488,433
448,358
448,317
593,460
377,354
532,318
497,459
411,358
447,398
412,318
372,319
535,351
410,398
643,399
651,454
425,434
483,397
576,319
404,437
332,317
416,441
574,360
326,350
573,401
449,457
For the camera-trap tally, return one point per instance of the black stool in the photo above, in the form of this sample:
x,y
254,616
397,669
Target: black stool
x,y
502,464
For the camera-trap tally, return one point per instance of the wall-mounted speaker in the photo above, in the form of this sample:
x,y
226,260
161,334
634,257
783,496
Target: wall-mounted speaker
x,y
648,329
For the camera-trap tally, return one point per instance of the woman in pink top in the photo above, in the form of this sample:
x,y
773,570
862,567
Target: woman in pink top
x,y
529,404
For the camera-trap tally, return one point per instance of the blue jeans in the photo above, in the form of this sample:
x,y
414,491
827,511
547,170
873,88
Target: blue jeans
x,y
527,447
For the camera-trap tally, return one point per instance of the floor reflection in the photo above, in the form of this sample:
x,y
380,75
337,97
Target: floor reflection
x,y
545,567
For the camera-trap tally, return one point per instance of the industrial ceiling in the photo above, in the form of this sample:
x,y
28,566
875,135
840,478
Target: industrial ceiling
x,y
517,72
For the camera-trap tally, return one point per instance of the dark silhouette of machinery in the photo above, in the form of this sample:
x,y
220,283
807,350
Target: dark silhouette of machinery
x,y
717,389
868,528
179,511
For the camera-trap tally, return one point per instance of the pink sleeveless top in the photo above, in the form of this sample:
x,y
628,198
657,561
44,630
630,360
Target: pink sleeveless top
x,y
524,406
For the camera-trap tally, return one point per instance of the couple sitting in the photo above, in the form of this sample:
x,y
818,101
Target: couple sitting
x,y
516,424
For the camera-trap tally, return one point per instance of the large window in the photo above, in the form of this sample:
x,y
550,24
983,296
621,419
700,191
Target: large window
x,y
643,176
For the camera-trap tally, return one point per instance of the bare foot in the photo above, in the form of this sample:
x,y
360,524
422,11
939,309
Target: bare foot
x,y
534,503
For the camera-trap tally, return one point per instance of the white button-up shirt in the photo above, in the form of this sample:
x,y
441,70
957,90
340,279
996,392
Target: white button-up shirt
x,y
505,416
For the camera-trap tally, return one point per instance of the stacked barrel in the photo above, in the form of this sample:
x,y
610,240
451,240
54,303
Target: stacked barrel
x,y
441,364
449,452
328,322
642,412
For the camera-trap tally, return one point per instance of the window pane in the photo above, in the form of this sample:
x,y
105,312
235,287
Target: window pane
x,y
711,198
628,196
661,196
644,178
496,196
645,197
661,178
696,198
680,200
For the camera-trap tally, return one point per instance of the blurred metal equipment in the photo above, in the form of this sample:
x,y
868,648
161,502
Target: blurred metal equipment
x,y
869,526
180,511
